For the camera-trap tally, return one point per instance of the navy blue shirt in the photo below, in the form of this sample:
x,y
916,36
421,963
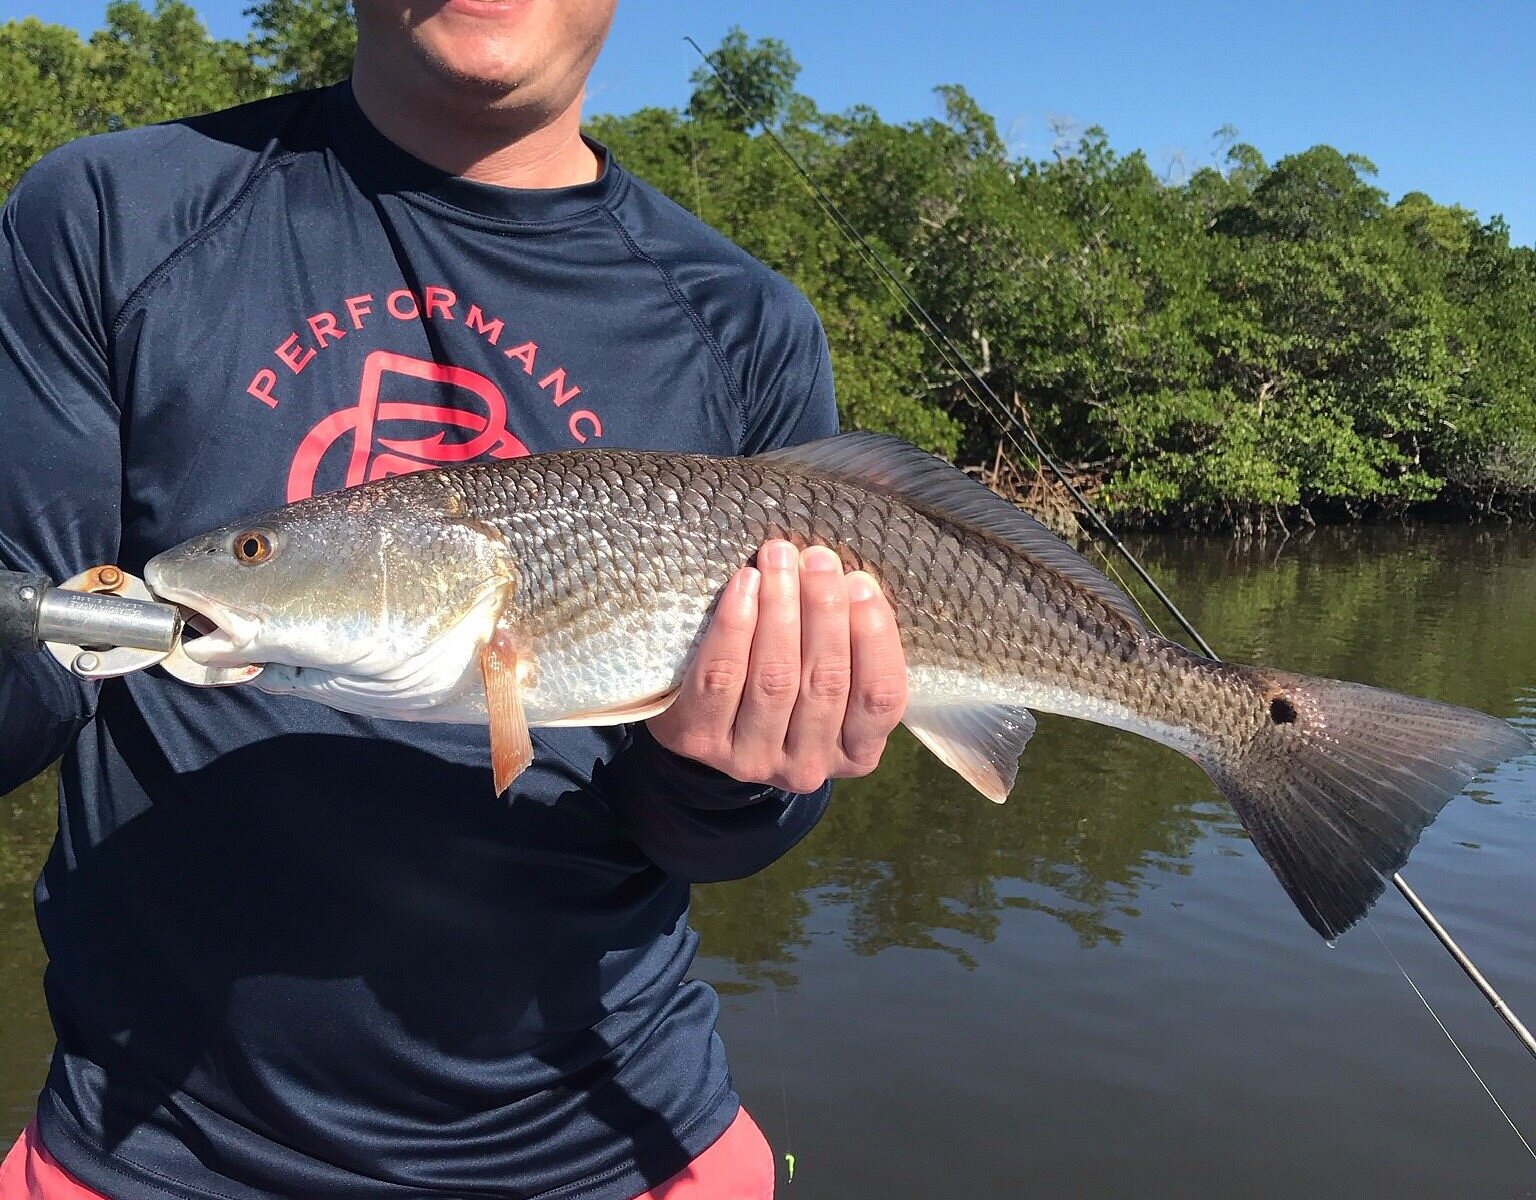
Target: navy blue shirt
x,y
294,952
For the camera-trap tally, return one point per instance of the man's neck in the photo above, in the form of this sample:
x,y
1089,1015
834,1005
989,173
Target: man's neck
x,y
487,146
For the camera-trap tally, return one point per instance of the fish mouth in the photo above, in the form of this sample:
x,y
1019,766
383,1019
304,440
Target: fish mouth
x,y
218,646
226,636
224,632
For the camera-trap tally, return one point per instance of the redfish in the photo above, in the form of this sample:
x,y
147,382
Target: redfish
x,y
570,589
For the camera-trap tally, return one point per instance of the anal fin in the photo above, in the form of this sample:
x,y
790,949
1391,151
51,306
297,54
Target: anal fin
x,y
511,747
981,743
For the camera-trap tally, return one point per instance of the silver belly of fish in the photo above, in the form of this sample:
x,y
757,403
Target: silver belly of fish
x,y
610,662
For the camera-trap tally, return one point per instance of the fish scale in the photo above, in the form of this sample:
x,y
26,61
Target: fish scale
x,y
572,588
654,539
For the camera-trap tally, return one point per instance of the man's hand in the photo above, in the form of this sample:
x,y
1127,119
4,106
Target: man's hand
x,y
799,678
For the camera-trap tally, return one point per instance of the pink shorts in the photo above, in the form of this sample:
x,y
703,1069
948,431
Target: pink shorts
x,y
738,1166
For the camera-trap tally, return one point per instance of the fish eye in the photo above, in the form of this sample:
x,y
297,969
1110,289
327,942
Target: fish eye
x,y
253,546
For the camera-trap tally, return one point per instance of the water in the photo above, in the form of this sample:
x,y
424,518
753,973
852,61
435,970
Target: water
x,y
1098,990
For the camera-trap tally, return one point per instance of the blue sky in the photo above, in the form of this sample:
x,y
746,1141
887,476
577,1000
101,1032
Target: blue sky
x,y
1441,96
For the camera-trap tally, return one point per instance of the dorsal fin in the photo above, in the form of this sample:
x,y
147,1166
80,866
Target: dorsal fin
x,y
891,465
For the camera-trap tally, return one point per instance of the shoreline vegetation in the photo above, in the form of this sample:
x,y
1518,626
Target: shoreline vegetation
x,y
1227,343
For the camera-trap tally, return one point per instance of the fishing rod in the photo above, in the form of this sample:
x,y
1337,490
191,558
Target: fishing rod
x,y
980,391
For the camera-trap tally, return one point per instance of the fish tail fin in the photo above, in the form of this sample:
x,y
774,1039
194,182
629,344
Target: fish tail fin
x,y
1340,780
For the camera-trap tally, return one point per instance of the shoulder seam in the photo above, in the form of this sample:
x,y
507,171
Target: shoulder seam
x,y
681,300
192,240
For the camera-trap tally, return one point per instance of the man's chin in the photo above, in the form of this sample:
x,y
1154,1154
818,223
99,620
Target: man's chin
x,y
476,55
474,81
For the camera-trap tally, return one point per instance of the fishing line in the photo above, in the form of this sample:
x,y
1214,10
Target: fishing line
x,y
1506,1014
778,1053
693,155
1448,1036
1114,572
778,1049
979,391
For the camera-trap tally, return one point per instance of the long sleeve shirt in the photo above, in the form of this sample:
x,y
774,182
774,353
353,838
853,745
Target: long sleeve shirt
x,y
294,952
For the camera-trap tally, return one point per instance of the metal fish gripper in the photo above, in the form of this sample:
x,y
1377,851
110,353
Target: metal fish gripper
x,y
101,624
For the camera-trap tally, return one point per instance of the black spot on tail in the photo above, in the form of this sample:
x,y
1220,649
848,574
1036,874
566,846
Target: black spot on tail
x,y
1282,711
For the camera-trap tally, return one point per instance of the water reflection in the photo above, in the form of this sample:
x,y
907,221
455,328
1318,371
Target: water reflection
x,y
912,857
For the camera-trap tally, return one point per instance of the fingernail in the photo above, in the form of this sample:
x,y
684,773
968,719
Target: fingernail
x,y
778,556
819,558
861,587
748,582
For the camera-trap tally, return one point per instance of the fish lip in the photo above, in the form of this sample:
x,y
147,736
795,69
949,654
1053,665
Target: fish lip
x,y
232,631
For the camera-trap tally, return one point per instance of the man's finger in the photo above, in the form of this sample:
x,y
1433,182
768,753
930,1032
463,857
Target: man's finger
x,y
825,666
700,721
773,675
877,693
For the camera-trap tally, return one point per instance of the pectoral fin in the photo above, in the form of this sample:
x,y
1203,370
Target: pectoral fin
x,y
983,744
511,747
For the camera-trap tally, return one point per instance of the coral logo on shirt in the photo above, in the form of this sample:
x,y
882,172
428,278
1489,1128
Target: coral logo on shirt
x,y
361,432
415,413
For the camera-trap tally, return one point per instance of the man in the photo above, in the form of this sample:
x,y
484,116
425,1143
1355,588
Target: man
x,y
298,953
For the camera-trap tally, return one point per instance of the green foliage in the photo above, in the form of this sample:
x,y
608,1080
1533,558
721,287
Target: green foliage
x,y
750,85
44,87
305,43
141,68
155,66
1253,340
